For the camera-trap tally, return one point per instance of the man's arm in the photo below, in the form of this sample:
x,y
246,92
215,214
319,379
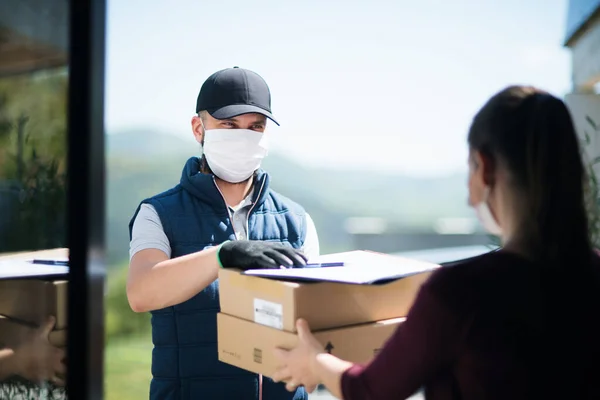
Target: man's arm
x,y
155,281
311,242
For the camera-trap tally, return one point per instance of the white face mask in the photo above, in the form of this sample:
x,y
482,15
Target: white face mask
x,y
485,215
234,154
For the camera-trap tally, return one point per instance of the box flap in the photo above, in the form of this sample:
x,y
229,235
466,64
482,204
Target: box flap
x,y
360,267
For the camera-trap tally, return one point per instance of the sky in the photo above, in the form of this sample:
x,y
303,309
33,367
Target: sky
x,y
386,85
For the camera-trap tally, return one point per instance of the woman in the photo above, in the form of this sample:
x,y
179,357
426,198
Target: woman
x,y
519,323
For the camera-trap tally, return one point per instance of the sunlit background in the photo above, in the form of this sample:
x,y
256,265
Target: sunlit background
x,y
374,100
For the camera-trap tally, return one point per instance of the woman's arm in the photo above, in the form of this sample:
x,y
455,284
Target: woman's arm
x,y
422,346
330,369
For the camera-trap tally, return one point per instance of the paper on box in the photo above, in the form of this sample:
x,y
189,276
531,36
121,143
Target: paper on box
x,y
360,267
324,305
20,266
249,346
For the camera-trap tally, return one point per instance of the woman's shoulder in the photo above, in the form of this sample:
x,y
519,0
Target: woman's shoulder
x,y
474,265
463,277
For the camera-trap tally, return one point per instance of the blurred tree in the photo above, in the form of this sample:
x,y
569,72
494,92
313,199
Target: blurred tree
x,y
33,152
120,320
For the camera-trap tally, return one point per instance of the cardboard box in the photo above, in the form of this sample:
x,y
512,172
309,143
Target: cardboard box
x,y
249,346
58,338
33,300
324,305
12,334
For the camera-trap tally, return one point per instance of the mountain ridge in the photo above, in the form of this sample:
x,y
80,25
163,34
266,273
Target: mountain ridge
x,y
141,163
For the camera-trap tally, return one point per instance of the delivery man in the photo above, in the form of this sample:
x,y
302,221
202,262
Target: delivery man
x,y
222,213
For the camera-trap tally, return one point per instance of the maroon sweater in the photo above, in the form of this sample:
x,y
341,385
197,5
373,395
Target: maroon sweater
x,y
492,327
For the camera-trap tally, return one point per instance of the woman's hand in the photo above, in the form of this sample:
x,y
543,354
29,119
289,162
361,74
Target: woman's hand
x,y
297,366
37,360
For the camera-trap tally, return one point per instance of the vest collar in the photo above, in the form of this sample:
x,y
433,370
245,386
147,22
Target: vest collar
x,y
204,187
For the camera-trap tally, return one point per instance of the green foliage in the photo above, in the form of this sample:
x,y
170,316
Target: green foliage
x,y
32,161
32,181
127,363
120,320
40,217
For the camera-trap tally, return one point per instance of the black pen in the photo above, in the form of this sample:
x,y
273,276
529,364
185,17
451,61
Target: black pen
x,y
324,265
318,265
51,262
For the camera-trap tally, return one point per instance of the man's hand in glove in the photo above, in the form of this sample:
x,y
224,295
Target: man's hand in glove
x,y
254,254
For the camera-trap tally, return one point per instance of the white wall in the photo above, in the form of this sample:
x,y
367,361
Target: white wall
x,y
585,55
582,107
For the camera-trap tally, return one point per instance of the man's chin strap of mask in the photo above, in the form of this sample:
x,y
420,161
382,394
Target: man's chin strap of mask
x,y
485,215
233,155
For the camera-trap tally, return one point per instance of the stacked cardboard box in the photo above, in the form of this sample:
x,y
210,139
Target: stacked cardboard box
x,y
30,302
27,302
352,321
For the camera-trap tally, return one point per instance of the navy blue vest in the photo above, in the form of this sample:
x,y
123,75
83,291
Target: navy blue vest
x,y
194,216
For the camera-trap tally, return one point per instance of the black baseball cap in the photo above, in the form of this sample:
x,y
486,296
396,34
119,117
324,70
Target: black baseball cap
x,y
235,91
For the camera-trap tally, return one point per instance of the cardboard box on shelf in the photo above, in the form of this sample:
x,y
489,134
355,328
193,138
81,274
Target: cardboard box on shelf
x,y
370,287
33,300
253,350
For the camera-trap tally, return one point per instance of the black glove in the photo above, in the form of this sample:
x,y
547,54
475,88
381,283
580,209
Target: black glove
x,y
254,254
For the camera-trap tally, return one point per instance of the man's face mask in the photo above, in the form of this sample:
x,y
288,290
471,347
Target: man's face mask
x,y
234,154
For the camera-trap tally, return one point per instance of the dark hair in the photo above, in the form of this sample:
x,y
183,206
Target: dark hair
x,y
531,134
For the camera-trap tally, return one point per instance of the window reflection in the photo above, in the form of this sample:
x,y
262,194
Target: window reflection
x,y
33,147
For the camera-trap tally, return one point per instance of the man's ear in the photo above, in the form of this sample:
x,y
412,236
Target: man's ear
x,y
198,129
485,167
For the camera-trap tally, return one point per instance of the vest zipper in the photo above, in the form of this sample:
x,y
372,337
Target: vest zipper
x,y
226,207
262,185
260,377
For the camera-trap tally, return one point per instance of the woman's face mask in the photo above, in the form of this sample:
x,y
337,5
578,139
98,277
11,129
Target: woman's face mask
x,y
485,215
234,154
482,208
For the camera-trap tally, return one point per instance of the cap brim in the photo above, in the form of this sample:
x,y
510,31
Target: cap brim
x,y
239,109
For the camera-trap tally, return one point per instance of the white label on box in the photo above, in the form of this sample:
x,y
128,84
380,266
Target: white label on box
x,y
268,313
